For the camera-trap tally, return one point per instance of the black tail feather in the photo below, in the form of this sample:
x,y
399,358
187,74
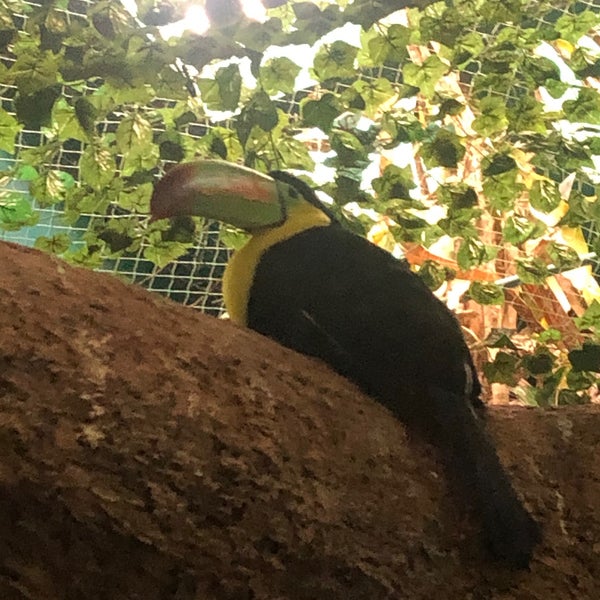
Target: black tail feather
x,y
510,532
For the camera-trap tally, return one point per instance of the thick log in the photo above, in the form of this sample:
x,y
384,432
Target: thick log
x,y
148,451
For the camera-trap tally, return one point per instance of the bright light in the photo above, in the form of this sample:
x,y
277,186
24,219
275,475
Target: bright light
x,y
130,6
195,20
254,10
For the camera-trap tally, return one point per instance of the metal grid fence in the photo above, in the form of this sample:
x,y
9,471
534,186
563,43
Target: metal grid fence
x,y
195,278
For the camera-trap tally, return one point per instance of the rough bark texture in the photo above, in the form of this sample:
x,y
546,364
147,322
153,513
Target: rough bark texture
x,y
148,451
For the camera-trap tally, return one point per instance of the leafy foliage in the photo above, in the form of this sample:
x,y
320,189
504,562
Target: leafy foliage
x,y
476,109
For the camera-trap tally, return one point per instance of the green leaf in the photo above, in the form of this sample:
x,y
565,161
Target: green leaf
x,y
8,31
66,123
306,11
222,143
151,13
585,108
162,253
142,158
395,182
26,173
51,187
259,112
172,146
586,359
294,154
457,196
9,128
134,139
311,28
387,46
35,110
500,338
233,238
581,380
580,59
432,274
502,190
556,88
84,257
539,363
442,23
223,91
460,223
346,185
572,26
492,118
125,94
497,164
410,227
502,369
181,228
348,148
473,252
147,60
210,93
86,114
257,37
532,270
320,113
486,293
541,70
335,61
527,116
116,241
425,76
544,196
16,211
133,133
374,93
467,47
367,12
450,106
444,150
279,75
580,211
86,200
550,335
97,166
110,18
563,257
34,71
403,127
517,229
590,318
136,200
56,244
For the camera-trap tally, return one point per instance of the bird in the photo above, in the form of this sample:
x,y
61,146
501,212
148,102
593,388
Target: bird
x,y
306,281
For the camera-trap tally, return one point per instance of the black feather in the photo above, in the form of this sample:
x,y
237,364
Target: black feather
x,y
331,294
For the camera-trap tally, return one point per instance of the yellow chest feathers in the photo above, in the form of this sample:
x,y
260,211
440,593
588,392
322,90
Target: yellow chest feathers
x,y
239,274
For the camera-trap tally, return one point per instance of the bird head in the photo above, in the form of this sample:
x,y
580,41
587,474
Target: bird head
x,y
230,193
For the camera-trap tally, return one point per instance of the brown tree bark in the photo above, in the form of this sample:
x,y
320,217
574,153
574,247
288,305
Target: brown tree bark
x,y
149,452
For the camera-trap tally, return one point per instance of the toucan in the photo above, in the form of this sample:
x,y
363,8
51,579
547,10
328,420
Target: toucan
x,y
306,281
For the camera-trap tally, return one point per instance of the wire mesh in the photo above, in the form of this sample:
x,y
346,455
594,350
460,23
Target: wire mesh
x,y
195,278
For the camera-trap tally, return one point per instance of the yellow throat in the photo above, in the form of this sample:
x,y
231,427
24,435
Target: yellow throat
x,y
239,273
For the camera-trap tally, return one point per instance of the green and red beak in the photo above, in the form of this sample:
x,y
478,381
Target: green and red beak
x,y
219,190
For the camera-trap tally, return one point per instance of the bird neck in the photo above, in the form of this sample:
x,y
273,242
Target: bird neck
x,y
240,270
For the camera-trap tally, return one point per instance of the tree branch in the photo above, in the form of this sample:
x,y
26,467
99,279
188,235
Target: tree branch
x,y
152,452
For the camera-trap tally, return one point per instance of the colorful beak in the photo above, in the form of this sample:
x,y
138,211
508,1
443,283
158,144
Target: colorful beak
x,y
218,190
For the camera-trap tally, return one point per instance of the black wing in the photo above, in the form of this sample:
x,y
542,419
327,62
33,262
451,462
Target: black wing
x,y
335,296
331,294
